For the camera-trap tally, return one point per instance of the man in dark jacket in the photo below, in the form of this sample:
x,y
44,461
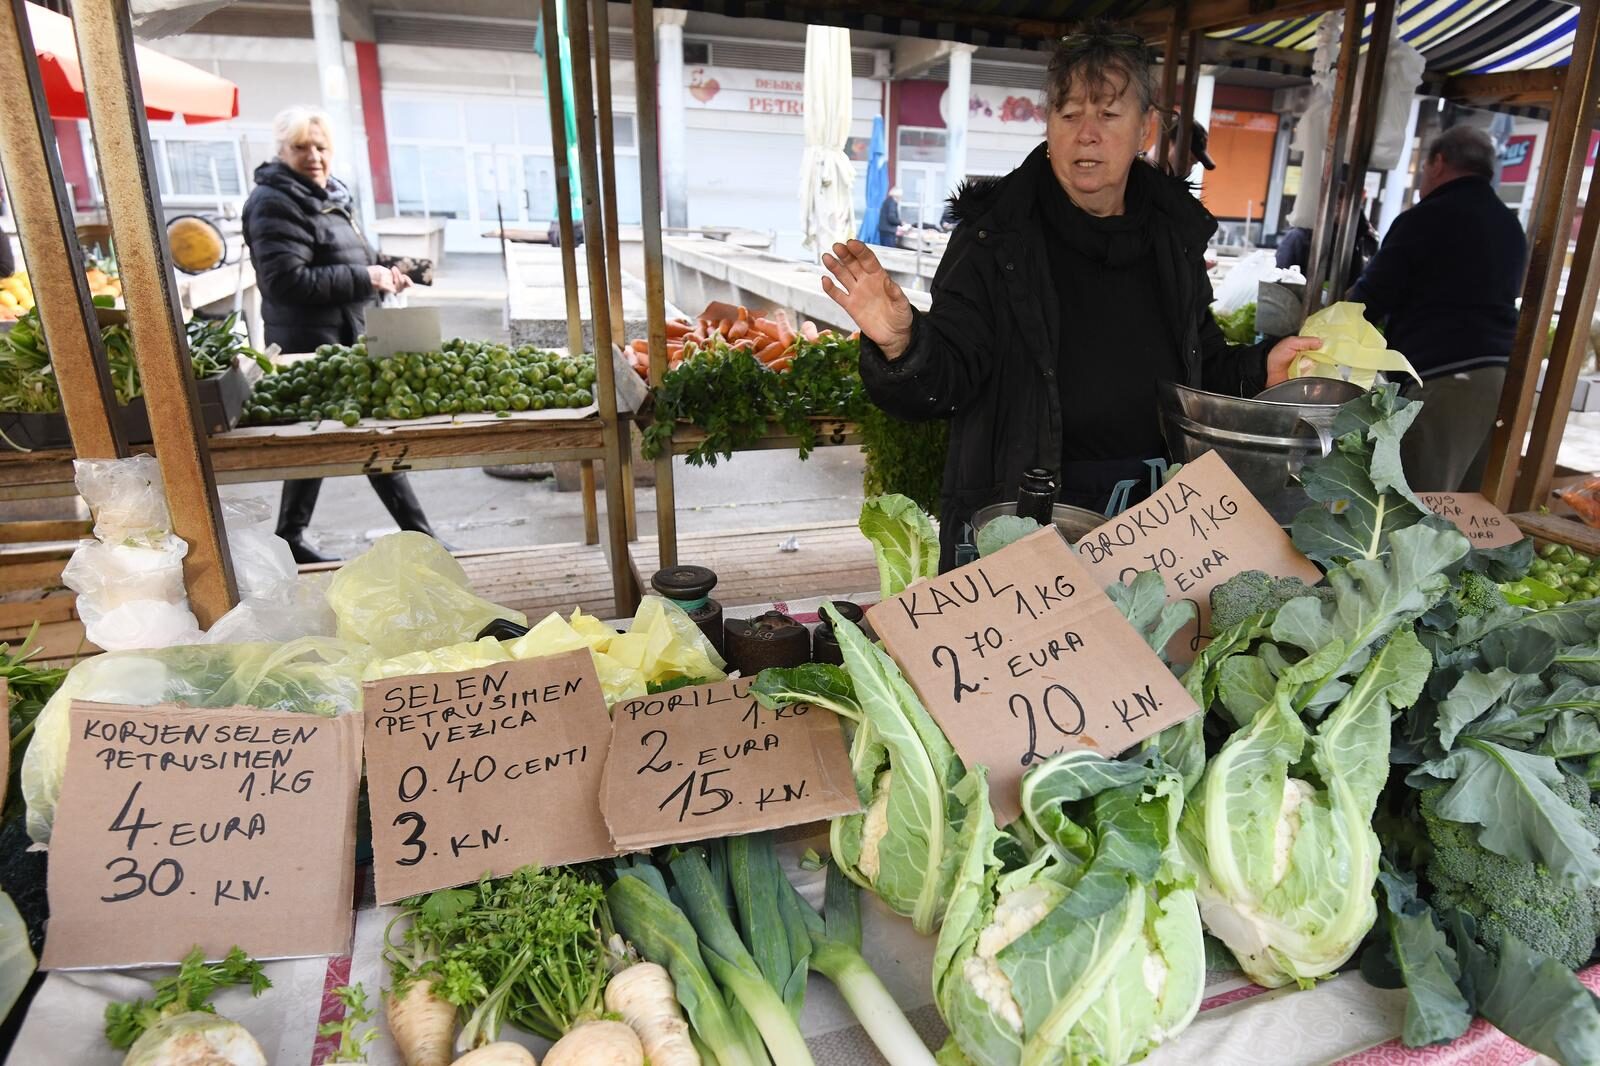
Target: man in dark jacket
x,y
889,219
317,275
1445,285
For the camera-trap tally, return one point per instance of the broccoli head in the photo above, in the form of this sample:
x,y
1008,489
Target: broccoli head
x,y
1255,593
1477,595
1507,895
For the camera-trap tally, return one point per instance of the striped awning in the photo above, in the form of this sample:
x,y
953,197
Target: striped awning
x,y
1456,36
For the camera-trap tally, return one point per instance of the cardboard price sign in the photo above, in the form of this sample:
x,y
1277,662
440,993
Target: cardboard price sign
x,y
1484,524
710,761
484,771
1196,531
1020,656
181,826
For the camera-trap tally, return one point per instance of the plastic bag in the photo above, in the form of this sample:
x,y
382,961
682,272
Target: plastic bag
x,y
126,497
276,601
1352,348
1584,498
406,594
263,565
1402,73
1241,287
317,675
131,595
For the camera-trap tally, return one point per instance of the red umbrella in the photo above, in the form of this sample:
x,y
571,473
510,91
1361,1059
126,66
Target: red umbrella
x,y
171,87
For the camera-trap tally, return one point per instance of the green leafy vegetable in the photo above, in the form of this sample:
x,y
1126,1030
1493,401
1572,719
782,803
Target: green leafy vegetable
x,y
904,458
1004,530
352,1045
187,991
903,540
1092,950
1421,959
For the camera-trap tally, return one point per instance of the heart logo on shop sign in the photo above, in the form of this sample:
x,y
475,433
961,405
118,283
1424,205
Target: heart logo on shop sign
x,y
704,91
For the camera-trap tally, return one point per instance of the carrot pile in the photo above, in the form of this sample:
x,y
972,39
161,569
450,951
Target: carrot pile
x,y
771,339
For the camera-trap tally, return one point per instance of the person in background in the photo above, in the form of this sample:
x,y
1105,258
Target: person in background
x,y
317,275
889,219
8,263
1071,289
1199,142
1294,247
1444,287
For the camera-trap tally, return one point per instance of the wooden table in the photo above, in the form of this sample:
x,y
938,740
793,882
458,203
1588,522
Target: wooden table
x,y
326,449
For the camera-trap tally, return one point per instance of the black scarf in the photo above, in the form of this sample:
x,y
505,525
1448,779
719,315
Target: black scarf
x,y
1115,240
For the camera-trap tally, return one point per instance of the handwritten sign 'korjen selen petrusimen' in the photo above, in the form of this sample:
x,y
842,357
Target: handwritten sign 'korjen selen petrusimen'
x,y
1020,655
180,826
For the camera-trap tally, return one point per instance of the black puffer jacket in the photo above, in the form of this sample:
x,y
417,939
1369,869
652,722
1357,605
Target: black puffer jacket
x,y
986,355
311,261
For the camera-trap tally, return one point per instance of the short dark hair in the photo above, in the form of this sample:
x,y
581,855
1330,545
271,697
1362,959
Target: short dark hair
x,y
1103,58
1465,148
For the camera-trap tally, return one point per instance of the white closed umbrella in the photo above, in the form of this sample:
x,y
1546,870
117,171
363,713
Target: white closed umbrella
x,y
826,176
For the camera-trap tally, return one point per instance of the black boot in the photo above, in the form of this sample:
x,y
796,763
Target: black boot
x,y
397,495
294,514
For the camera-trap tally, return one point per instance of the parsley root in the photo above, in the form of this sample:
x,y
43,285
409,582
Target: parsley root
x,y
643,995
500,1053
422,1024
598,1044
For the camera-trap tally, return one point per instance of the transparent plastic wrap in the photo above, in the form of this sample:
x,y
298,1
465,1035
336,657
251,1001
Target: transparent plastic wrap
x,y
126,497
406,594
316,675
263,565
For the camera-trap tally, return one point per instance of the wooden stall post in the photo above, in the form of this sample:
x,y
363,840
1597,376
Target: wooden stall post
x,y
555,96
655,299
1191,87
1361,141
623,587
1344,92
1169,80
608,163
50,247
1566,154
122,142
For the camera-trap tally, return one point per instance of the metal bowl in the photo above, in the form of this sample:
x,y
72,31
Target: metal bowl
x,y
1312,390
1265,443
1073,522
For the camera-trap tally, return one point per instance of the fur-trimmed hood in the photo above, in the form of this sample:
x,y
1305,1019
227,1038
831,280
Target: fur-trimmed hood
x,y
1008,200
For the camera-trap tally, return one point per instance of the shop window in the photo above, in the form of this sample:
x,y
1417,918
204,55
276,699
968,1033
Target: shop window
x,y
429,180
200,168
490,122
919,145
430,119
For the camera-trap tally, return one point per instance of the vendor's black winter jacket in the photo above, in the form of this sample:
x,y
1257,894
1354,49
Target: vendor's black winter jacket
x,y
986,356
310,260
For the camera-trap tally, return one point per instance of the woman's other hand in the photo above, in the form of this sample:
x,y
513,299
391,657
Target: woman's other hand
x,y
383,278
402,280
1283,355
869,295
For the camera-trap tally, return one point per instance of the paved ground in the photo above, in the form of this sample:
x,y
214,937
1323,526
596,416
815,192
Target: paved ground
x,y
470,509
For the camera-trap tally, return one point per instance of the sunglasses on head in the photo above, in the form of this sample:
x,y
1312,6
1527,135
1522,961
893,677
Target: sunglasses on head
x,y
1120,40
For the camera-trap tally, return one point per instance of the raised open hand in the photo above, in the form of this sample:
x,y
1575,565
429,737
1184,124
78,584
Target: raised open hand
x,y
869,295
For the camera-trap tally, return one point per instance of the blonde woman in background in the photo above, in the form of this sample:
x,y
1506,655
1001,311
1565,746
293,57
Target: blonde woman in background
x,y
317,275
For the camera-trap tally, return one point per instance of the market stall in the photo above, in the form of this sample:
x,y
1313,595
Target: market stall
x,y
1350,743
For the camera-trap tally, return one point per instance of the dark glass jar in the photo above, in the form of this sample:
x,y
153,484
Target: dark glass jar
x,y
751,645
1036,496
824,645
690,588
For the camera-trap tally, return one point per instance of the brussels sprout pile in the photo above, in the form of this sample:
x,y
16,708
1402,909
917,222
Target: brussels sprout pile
x,y
1558,575
465,377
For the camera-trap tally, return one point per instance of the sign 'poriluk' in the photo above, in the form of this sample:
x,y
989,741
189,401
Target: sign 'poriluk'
x,y
1020,655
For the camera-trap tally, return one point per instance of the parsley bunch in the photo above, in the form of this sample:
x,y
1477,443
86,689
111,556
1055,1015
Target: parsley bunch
x,y
529,949
190,989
